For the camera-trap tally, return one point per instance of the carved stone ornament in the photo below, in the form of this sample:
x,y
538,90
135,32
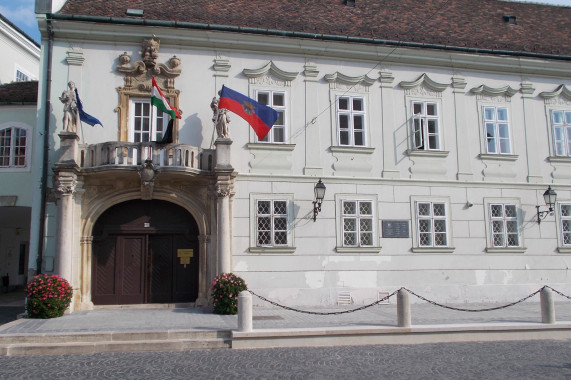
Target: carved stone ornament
x,y
138,82
561,96
270,74
341,81
65,185
222,191
148,173
148,62
431,87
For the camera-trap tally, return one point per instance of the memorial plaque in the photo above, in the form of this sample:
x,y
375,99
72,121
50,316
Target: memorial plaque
x,y
396,229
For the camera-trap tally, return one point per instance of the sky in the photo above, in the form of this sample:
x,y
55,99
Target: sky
x,y
21,13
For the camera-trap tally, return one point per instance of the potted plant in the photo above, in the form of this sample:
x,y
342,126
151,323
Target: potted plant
x,y
224,292
47,296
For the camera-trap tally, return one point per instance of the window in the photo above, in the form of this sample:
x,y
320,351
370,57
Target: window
x,y
496,126
21,77
561,132
432,224
565,220
143,129
271,223
351,121
426,128
13,141
504,226
275,100
357,221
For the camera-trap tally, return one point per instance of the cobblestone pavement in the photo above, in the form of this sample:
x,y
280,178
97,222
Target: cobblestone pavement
x,y
548,359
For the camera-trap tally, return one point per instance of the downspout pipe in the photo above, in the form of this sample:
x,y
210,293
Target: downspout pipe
x,y
46,148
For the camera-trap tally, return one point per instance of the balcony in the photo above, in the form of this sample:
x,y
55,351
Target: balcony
x,y
117,155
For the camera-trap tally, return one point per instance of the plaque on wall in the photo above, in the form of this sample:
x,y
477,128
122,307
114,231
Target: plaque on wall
x,y
396,229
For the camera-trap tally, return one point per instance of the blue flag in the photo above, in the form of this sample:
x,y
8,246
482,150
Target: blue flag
x,y
84,116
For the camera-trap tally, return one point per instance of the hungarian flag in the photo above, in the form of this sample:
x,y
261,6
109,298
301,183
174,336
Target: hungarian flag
x,y
162,104
84,116
258,115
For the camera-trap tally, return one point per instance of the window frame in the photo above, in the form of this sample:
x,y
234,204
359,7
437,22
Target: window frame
x,y
496,122
26,73
271,248
562,247
341,247
504,221
489,219
416,247
422,130
358,232
351,113
158,116
566,131
280,109
27,147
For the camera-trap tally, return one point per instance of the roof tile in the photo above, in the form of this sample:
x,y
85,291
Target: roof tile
x,y
542,29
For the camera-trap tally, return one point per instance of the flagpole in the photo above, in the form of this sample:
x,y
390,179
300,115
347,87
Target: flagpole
x,y
82,135
149,156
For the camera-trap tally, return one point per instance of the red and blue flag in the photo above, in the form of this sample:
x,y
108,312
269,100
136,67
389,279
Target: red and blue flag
x,y
258,115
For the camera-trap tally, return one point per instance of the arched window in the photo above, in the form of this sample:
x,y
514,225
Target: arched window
x,y
14,142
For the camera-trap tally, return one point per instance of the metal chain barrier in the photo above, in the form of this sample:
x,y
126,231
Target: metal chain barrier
x,y
473,310
558,292
414,294
325,313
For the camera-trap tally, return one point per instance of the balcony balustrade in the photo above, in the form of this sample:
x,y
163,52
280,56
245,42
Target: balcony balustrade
x,y
125,154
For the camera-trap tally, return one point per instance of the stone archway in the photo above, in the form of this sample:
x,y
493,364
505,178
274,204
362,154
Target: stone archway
x,y
145,251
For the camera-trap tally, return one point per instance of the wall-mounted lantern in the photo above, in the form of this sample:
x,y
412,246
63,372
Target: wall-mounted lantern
x,y
550,196
319,190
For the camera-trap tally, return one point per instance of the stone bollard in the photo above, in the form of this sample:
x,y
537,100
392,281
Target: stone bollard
x,y
245,311
403,308
547,305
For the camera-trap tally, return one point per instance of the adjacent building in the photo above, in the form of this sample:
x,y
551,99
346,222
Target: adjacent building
x,y
18,106
436,128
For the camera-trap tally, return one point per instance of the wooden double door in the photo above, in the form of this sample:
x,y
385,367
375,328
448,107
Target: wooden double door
x,y
145,252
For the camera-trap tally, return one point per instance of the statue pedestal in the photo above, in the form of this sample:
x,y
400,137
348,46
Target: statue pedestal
x,y
68,148
223,146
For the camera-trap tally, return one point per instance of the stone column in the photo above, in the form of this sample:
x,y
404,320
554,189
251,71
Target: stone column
x,y
223,229
65,185
224,183
85,277
203,287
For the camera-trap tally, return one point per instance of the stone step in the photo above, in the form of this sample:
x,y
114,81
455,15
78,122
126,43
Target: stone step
x,y
83,343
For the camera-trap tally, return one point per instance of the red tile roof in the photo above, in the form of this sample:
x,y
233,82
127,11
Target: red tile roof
x,y
474,24
19,92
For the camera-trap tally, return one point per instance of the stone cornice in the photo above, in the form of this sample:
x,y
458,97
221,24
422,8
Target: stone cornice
x,y
271,68
426,81
493,91
561,90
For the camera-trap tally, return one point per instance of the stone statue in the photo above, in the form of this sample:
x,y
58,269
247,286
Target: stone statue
x,y
221,119
70,112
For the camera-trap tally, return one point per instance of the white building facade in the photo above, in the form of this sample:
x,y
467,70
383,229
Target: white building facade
x,y
434,161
